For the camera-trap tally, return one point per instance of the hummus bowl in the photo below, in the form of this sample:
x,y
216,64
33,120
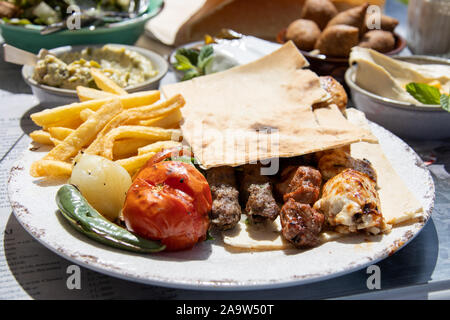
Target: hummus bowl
x,y
56,96
406,120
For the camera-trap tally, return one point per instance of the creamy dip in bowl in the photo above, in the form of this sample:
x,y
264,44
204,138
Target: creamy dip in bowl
x,y
54,78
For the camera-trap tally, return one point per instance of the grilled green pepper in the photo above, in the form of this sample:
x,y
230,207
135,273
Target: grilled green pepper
x,y
83,217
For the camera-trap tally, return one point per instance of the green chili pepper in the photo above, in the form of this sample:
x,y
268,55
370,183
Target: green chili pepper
x,y
83,217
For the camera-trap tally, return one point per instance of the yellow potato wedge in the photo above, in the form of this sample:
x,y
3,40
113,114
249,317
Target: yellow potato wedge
x,y
139,132
85,94
50,168
157,146
171,120
85,133
132,116
60,133
70,113
106,84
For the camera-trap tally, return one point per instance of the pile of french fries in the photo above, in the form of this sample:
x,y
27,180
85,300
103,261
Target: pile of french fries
x,y
126,128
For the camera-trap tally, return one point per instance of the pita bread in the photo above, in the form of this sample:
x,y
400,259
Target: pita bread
x,y
259,111
398,204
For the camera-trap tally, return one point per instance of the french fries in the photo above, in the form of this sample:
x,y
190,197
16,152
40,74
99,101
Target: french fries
x,y
126,128
132,116
133,164
56,117
51,168
85,133
85,114
139,132
59,133
42,137
105,83
170,121
85,94
125,148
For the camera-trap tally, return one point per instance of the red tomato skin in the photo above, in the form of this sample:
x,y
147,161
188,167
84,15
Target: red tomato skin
x,y
169,201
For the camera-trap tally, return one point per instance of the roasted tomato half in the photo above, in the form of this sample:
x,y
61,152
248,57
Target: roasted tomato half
x,y
169,201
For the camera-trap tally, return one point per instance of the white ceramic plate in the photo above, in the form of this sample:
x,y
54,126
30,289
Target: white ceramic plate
x,y
209,265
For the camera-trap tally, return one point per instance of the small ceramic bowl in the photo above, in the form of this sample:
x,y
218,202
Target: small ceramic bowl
x,y
56,96
403,119
336,66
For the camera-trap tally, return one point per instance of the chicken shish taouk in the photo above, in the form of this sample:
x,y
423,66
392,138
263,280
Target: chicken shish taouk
x,y
350,203
332,162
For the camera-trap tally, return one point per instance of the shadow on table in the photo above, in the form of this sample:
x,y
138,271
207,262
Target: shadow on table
x,y
26,123
11,77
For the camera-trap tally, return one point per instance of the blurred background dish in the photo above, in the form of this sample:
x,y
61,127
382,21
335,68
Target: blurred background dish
x,y
336,66
402,118
28,36
57,96
226,53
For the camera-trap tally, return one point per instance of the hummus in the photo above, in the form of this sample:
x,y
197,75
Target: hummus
x,y
71,69
388,77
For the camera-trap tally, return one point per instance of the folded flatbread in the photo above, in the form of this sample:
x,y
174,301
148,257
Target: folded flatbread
x,y
398,204
259,111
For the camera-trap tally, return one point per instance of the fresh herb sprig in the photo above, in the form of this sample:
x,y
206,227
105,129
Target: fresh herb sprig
x,y
427,94
193,62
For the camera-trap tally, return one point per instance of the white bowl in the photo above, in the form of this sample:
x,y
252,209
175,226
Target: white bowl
x,y
56,96
404,119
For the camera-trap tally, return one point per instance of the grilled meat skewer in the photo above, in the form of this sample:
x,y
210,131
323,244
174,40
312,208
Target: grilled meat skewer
x,y
226,210
256,191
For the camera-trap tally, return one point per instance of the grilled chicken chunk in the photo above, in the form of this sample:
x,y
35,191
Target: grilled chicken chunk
x,y
350,203
256,192
226,210
301,224
337,93
335,161
301,183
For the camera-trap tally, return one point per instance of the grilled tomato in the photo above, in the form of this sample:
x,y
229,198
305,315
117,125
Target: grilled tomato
x,y
169,201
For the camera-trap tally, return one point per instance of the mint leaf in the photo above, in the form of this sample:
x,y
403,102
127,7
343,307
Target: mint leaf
x,y
191,54
183,63
205,53
445,102
424,93
204,63
192,73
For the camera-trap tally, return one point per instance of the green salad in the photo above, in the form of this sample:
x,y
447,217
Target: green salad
x,y
23,12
